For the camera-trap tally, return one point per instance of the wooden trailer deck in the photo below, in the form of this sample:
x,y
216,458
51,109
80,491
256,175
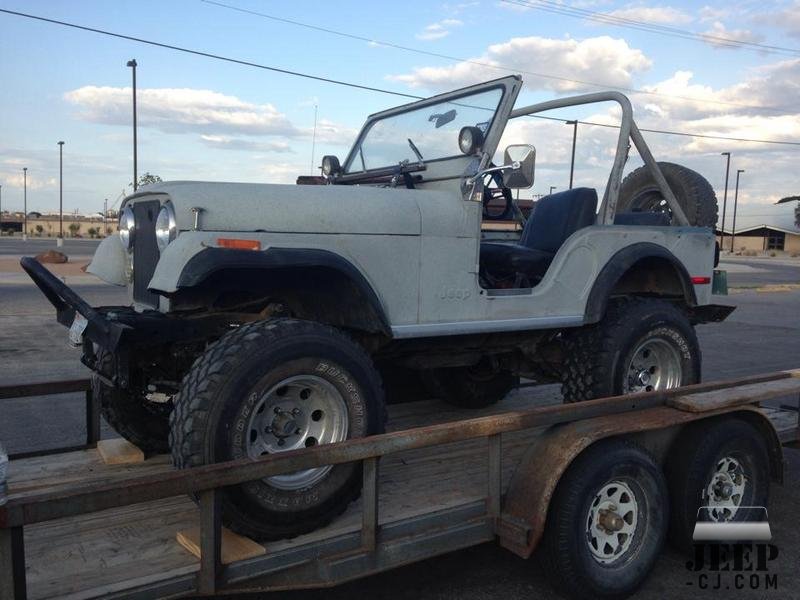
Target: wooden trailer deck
x,y
93,555
133,547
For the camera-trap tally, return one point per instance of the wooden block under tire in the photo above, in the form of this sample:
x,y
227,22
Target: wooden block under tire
x,y
119,452
234,546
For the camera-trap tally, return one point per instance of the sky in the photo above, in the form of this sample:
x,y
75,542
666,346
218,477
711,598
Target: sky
x,y
203,119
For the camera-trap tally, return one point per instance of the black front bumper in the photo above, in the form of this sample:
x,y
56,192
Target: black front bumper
x,y
116,328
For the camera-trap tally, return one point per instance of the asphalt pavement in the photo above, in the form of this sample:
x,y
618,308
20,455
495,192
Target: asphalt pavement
x,y
15,246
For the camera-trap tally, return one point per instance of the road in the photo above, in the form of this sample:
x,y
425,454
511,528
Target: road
x,y
14,246
763,334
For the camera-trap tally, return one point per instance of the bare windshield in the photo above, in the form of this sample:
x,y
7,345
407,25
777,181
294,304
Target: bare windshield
x,y
430,132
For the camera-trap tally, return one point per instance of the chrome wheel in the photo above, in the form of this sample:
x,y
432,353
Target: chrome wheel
x,y
723,495
611,522
655,365
299,412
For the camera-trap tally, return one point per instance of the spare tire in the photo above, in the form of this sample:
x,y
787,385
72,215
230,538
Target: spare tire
x,y
640,193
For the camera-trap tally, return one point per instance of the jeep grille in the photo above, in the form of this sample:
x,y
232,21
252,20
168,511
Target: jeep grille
x,y
145,251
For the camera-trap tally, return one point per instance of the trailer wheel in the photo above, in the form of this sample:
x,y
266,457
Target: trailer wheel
x,y
722,465
641,345
606,523
477,386
640,193
144,424
270,387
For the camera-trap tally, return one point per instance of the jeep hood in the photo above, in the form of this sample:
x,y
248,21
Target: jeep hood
x,y
339,209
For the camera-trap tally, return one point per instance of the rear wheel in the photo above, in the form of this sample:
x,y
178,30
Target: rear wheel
x,y
722,466
269,387
641,345
143,423
477,386
606,523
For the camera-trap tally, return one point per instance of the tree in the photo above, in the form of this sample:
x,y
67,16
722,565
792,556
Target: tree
x,y
796,208
92,232
147,179
73,229
39,230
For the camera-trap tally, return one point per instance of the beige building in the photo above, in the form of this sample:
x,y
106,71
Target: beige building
x,y
762,228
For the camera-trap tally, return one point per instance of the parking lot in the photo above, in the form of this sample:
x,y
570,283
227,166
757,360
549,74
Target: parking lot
x,y
763,334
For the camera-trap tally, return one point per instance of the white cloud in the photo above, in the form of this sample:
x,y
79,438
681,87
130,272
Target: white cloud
x,y
180,110
438,30
718,33
225,142
712,13
787,19
603,59
652,14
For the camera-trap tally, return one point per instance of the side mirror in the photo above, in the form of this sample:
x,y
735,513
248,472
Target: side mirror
x,y
518,177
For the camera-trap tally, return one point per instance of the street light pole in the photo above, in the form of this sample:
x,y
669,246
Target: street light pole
x,y
552,187
105,216
735,204
132,64
1,210
60,241
574,138
725,197
24,204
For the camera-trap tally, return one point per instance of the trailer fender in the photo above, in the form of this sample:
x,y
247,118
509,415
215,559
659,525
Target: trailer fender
x,y
521,523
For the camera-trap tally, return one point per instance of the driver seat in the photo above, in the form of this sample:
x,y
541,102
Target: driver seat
x,y
554,219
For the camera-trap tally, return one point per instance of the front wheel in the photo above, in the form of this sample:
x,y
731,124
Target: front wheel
x,y
270,387
606,523
641,345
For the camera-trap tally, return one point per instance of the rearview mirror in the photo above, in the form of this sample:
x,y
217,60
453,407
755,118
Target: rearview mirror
x,y
439,120
519,177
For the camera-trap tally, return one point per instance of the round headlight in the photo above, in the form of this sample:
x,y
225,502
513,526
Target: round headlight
x,y
127,227
166,228
470,140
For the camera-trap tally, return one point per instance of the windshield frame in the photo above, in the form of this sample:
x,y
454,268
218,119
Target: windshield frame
x,y
508,91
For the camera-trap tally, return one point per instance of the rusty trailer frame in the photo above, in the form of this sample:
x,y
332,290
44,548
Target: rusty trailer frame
x,y
516,520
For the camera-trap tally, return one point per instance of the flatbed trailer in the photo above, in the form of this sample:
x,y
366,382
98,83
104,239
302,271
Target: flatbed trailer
x,y
442,479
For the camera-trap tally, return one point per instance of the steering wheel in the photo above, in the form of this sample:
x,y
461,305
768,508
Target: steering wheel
x,y
498,203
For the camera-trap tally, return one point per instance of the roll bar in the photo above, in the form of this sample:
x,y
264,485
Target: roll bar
x,y
627,131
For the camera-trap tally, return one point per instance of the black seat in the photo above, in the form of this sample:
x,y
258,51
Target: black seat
x,y
555,218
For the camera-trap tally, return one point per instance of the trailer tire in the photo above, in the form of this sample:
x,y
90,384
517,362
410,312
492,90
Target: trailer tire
x,y
576,555
610,357
272,386
469,387
707,457
640,193
144,424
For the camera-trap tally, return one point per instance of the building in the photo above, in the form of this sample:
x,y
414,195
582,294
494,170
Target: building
x,y
761,228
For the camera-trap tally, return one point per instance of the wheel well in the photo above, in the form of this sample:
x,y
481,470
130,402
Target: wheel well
x,y
315,293
643,269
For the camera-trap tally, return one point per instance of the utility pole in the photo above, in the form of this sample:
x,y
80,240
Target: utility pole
x,y
725,197
60,240
1,210
314,139
132,64
574,138
25,204
105,216
735,204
